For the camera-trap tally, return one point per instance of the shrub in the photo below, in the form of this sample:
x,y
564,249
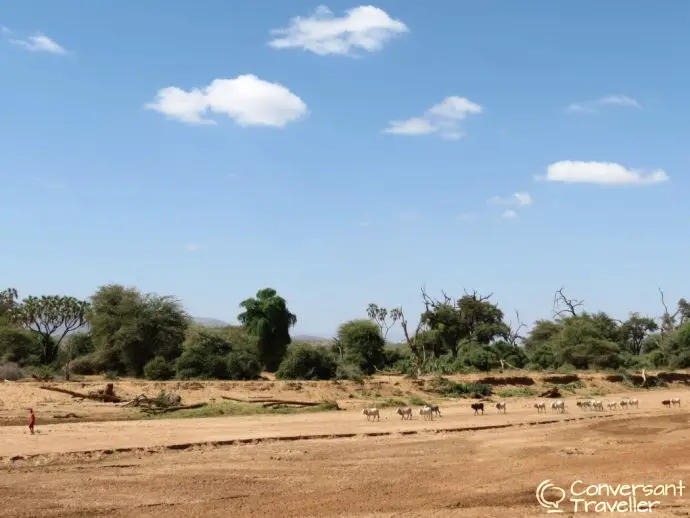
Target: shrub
x,y
158,369
305,362
242,365
11,372
86,365
348,371
18,346
445,387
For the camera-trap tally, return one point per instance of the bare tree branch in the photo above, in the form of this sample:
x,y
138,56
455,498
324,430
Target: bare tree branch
x,y
514,336
565,306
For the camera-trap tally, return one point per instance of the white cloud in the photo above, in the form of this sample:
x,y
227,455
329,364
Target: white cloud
x,y
5,30
365,27
519,199
192,247
441,118
247,99
591,107
509,214
602,173
37,43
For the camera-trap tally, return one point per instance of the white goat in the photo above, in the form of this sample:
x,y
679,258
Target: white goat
x,y
501,406
427,413
540,406
371,413
675,401
558,406
404,412
598,405
633,402
612,405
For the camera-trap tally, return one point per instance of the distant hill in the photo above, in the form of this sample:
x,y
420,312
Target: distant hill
x,y
311,339
210,322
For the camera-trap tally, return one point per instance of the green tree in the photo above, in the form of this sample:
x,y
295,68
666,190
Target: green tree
x,y
49,316
362,344
8,300
19,346
634,331
267,317
130,329
472,318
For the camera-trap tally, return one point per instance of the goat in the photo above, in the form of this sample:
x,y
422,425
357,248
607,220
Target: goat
x,y
404,412
435,409
666,402
675,401
427,413
477,407
540,406
558,406
371,413
501,406
612,405
598,405
584,404
633,402
623,403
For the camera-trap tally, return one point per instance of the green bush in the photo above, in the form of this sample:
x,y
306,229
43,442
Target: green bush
x,y
243,365
19,346
348,371
87,365
445,387
306,362
158,369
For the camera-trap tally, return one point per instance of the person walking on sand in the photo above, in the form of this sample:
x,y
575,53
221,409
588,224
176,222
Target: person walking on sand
x,y
32,420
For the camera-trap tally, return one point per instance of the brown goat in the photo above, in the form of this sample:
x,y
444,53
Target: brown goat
x,y
666,402
477,407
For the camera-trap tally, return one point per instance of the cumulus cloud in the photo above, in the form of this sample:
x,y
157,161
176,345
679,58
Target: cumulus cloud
x,y
442,119
601,173
519,199
36,43
365,27
246,99
509,214
592,107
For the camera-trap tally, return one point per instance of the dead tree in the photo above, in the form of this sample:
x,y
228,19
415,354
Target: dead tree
x,y
673,321
514,336
563,306
413,342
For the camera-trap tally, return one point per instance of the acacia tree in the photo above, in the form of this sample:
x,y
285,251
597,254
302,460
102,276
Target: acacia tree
x,y
267,317
634,331
130,329
380,317
472,318
49,316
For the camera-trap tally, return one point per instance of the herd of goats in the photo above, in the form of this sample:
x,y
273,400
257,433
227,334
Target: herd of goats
x,y
428,411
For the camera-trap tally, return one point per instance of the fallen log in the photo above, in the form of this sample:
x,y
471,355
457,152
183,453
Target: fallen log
x,y
107,398
70,415
149,410
272,401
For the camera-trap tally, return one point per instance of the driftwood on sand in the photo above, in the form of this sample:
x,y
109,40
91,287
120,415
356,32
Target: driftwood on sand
x,y
272,402
106,395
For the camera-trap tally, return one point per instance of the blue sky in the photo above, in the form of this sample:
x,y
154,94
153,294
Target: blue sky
x,y
299,186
